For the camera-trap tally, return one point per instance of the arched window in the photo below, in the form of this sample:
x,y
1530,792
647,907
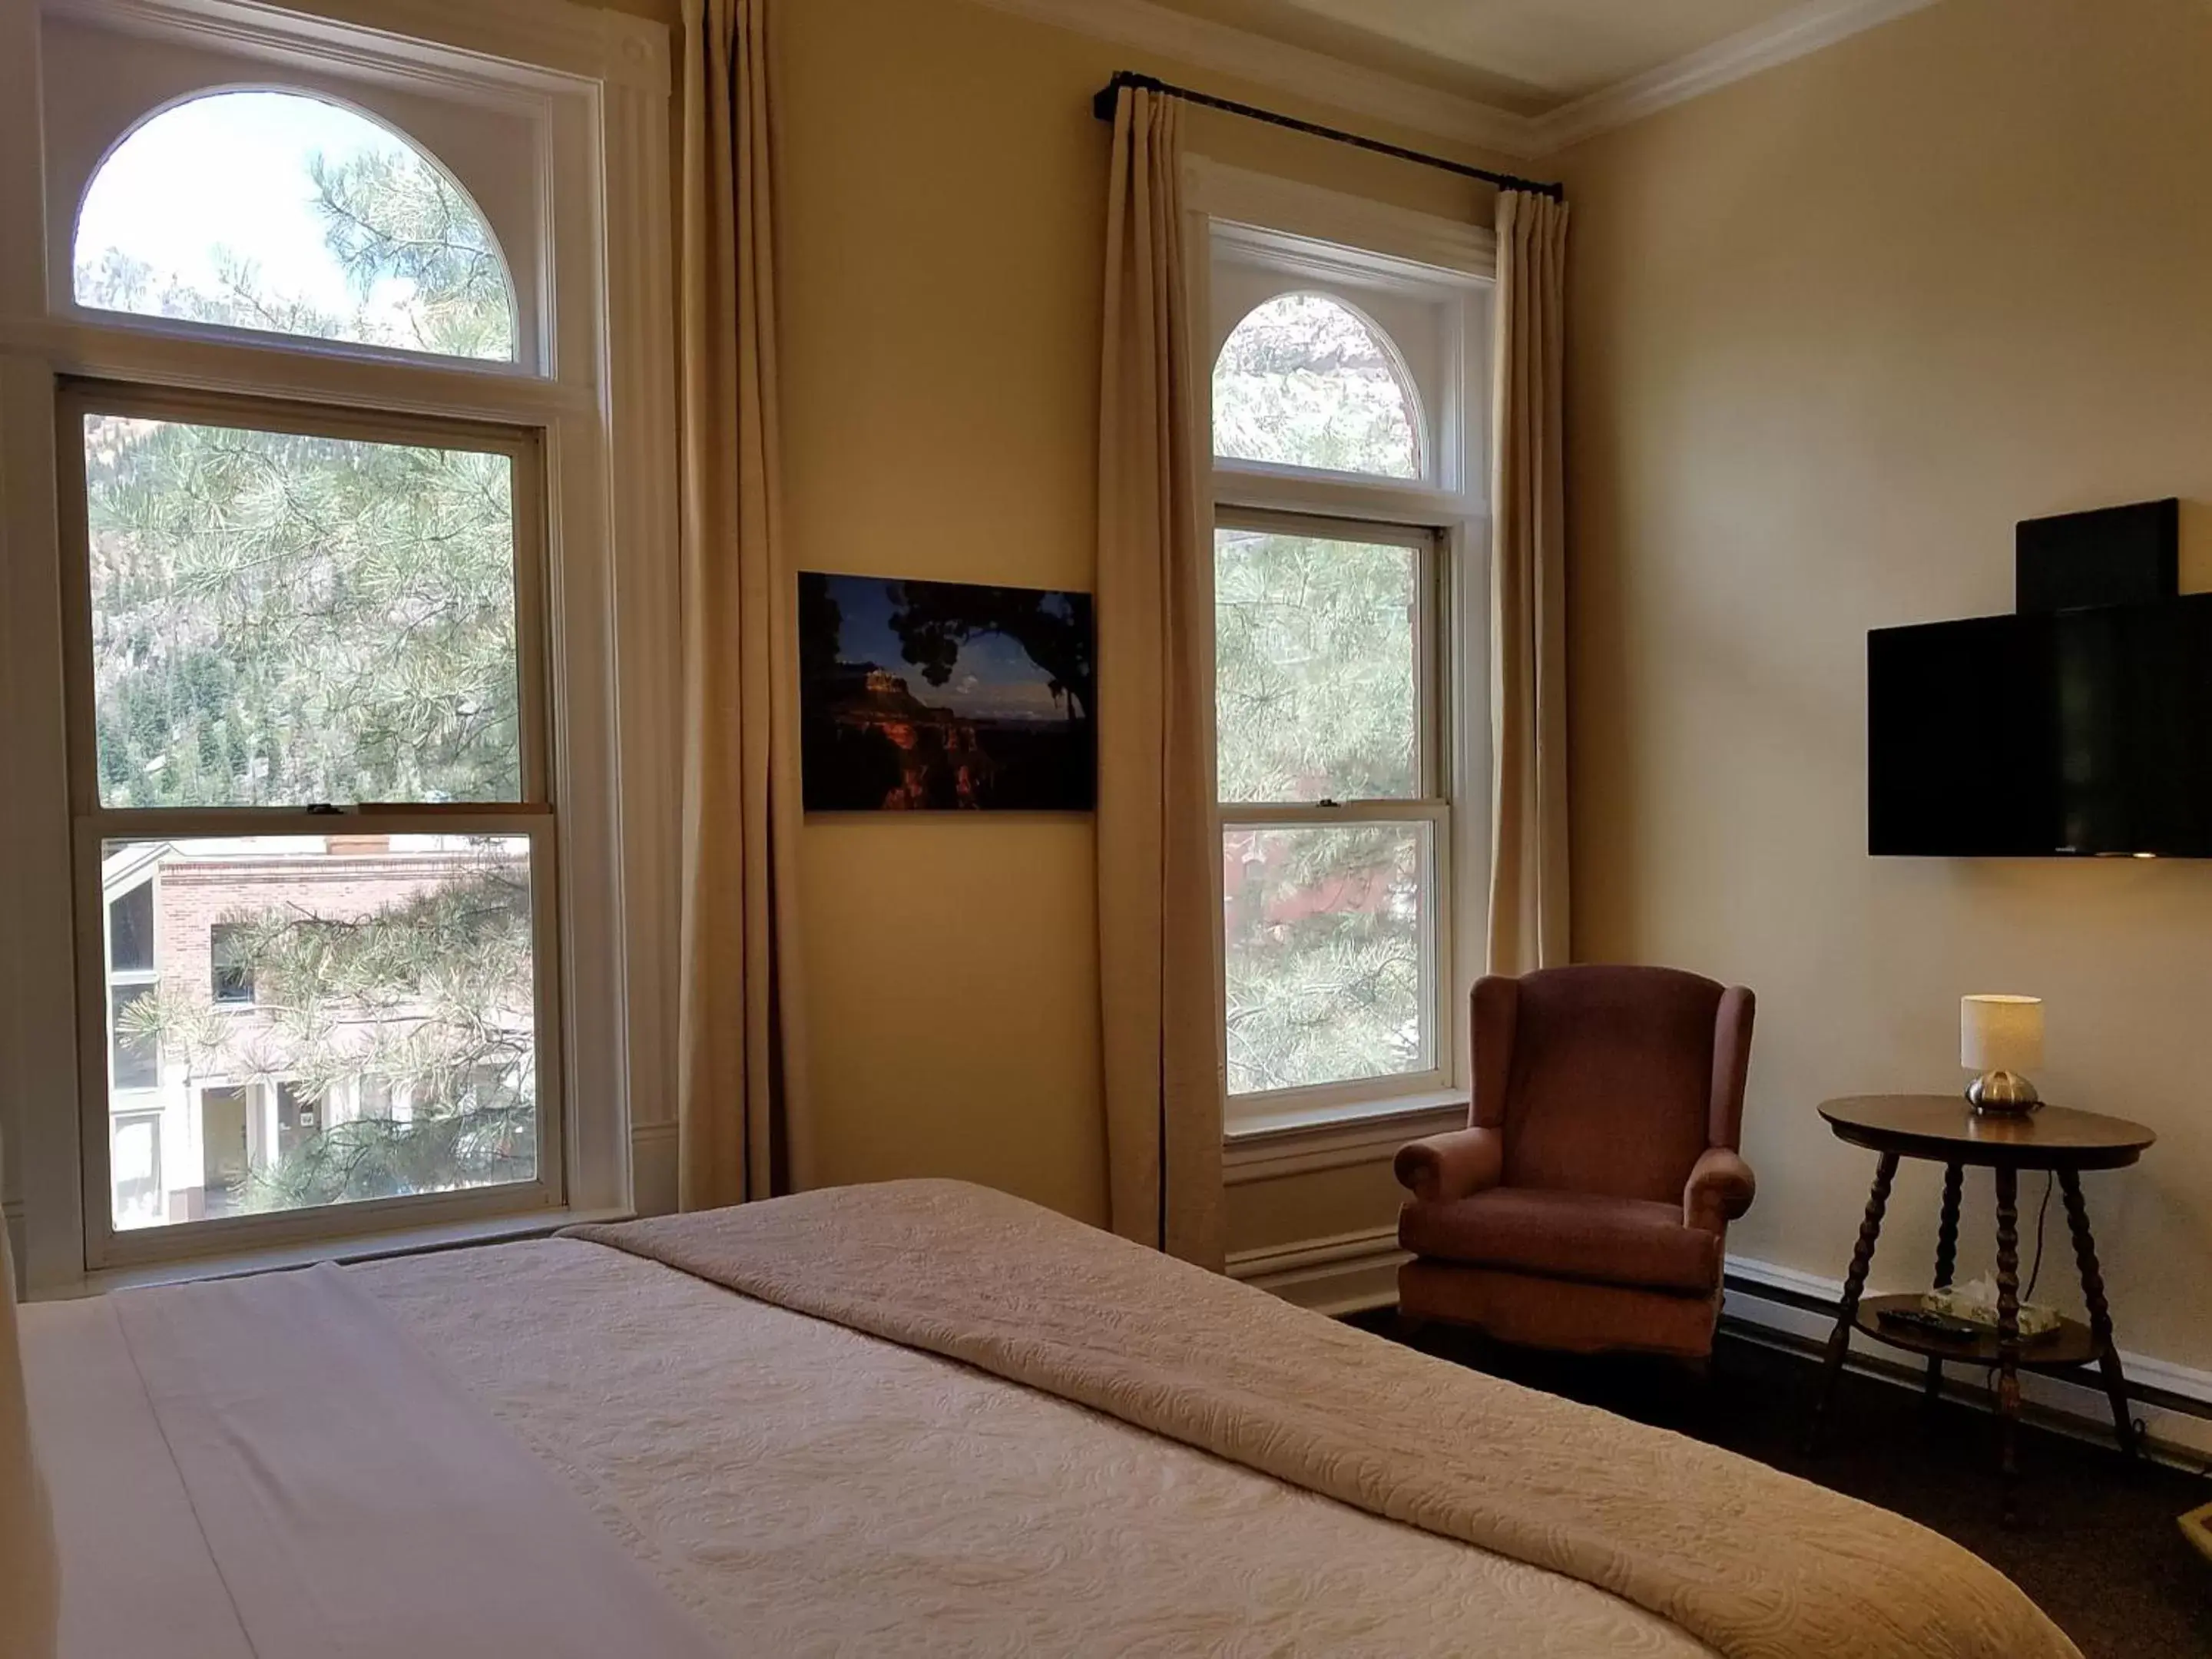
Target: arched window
x,y
1305,380
291,214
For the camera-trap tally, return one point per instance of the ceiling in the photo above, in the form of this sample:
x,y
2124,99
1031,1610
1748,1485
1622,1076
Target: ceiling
x,y
1527,56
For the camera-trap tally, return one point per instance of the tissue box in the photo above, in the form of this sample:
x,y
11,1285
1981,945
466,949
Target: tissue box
x,y
1977,1303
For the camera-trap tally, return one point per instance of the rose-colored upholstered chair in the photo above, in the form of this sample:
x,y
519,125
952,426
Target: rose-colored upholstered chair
x,y
1586,1204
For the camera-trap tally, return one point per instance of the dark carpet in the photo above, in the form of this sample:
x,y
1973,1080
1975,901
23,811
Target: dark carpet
x,y
2095,1547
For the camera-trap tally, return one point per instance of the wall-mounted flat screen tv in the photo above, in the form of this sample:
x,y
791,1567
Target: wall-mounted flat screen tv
x,y
2074,732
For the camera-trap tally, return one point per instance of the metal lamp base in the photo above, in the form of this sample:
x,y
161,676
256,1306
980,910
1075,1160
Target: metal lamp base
x,y
2003,1094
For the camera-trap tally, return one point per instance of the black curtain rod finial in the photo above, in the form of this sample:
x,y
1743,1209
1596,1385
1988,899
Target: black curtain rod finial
x,y
1110,96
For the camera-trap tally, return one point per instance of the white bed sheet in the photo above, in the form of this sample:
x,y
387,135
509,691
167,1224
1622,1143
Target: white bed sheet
x,y
274,1468
136,1576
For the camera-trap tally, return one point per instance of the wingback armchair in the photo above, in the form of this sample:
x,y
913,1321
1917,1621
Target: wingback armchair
x,y
1585,1206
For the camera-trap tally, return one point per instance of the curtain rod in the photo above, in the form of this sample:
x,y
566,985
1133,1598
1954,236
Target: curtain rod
x,y
1103,107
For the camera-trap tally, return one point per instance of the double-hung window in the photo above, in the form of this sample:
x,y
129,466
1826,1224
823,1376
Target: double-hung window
x,y
289,623
322,323
1351,723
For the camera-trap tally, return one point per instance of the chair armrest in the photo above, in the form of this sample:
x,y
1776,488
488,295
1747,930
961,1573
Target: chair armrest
x,y
1721,1189
1448,1166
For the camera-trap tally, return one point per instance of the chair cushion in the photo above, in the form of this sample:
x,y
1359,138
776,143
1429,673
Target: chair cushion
x,y
1609,1240
1567,1314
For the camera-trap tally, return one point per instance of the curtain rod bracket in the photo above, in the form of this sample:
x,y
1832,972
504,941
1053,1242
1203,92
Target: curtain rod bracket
x,y
1110,95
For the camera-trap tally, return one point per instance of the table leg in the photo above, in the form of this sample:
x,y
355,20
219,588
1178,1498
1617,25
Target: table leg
x,y
1946,1259
1839,1340
2009,1331
2100,1316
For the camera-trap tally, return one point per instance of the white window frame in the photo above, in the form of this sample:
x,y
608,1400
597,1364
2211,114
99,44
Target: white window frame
x,y
596,398
532,816
1319,240
1431,807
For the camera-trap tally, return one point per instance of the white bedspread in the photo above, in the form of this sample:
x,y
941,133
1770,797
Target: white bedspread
x,y
807,1490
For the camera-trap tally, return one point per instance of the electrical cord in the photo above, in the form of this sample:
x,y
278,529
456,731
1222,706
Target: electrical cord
x,y
2042,1214
2035,1272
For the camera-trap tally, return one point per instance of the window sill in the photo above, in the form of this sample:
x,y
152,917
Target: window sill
x,y
1268,1146
412,1241
1262,1125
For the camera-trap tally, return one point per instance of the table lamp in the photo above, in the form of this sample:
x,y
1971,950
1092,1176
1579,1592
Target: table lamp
x,y
2001,1040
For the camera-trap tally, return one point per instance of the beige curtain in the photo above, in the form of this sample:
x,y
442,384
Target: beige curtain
x,y
1529,589
740,1085
1159,908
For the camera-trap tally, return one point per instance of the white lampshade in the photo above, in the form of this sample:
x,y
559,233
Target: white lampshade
x,y
2001,1034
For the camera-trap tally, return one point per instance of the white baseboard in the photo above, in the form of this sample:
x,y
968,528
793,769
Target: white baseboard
x,y
1352,1272
653,1168
2177,1419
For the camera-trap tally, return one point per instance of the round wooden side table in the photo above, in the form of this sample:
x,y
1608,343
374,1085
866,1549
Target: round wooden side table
x,y
1945,1129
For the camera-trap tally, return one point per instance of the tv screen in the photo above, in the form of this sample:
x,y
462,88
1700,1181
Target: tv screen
x,y
2078,732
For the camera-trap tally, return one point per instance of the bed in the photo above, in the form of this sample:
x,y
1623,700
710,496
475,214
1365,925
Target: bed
x,y
916,1418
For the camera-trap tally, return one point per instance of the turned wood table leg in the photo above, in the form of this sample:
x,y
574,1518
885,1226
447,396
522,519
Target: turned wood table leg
x,y
2100,1315
2008,1333
1839,1340
1947,1260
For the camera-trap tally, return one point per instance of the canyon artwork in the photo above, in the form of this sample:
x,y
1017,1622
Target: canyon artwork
x,y
944,696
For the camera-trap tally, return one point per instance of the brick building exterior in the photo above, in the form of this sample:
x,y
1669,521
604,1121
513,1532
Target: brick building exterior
x,y
193,1114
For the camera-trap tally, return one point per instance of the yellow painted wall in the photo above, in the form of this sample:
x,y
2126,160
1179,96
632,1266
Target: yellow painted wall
x,y
1834,330
668,13
942,235
1312,1205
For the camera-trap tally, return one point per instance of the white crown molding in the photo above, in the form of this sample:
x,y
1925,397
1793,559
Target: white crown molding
x,y
1271,204
1197,41
1158,32
1796,33
537,44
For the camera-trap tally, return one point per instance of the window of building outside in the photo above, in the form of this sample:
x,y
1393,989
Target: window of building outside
x,y
1343,465
134,1142
134,1057
230,953
309,684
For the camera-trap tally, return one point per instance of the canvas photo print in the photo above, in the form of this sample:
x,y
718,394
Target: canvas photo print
x,y
944,698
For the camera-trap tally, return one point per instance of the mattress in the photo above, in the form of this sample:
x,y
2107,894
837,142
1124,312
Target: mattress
x,y
915,1418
